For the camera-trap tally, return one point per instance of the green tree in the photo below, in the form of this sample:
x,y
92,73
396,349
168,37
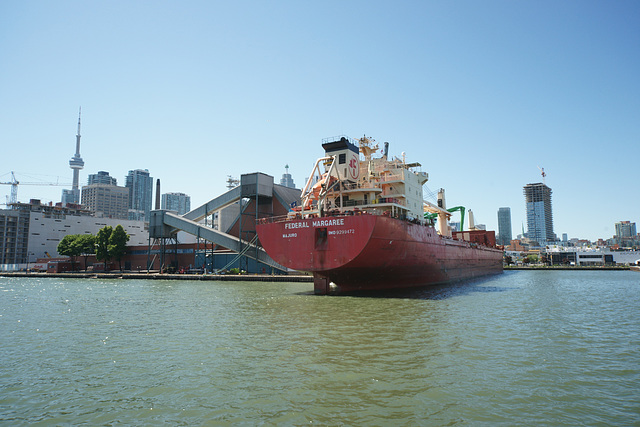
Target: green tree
x,y
118,244
102,244
68,246
87,245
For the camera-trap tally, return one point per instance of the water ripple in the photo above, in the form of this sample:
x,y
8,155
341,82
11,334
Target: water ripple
x,y
523,348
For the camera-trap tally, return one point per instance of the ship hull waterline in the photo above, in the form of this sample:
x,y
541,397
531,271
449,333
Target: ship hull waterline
x,y
374,252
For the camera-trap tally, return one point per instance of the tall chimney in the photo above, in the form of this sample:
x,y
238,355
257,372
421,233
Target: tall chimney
x,y
158,194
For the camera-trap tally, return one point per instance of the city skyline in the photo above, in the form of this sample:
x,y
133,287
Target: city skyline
x,y
482,95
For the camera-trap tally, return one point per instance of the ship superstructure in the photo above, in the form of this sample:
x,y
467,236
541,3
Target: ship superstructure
x,y
382,185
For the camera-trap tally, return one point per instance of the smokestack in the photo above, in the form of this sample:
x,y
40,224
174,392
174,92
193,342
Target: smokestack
x,y
158,194
386,149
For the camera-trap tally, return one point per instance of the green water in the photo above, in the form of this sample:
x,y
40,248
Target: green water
x,y
522,348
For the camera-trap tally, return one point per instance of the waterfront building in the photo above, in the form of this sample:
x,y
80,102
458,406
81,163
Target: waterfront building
x,y
106,200
140,185
29,231
583,256
178,202
539,213
286,179
101,177
504,226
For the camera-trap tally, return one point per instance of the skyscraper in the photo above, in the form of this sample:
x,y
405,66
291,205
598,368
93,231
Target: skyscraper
x,y
504,226
140,185
625,229
76,163
178,202
539,213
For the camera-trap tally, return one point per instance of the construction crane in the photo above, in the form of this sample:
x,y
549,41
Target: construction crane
x,y
543,175
14,189
13,199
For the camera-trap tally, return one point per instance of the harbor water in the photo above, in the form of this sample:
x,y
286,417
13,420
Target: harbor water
x,y
521,348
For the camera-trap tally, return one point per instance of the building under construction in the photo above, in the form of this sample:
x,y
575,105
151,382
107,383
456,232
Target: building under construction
x,y
539,213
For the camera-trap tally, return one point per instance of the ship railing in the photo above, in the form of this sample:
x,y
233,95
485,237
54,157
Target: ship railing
x,y
338,138
307,214
332,213
358,186
393,177
391,200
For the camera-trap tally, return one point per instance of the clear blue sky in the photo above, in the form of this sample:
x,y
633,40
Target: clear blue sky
x,y
480,92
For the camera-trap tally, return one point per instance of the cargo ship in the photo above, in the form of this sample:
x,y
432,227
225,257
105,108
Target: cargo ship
x,y
362,224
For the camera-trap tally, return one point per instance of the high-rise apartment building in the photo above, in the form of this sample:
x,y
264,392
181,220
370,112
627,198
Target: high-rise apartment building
x,y
504,226
539,213
14,237
106,201
625,229
101,177
140,185
178,202
104,198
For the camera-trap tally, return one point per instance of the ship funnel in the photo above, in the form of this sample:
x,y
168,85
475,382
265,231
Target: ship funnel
x,y
386,149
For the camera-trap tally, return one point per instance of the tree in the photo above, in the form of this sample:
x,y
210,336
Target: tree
x,y
68,246
102,244
118,244
87,246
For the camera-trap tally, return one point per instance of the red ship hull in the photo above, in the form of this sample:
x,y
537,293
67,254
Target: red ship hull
x,y
373,252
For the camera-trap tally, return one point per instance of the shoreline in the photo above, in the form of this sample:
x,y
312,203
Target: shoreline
x,y
166,276
254,277
562,267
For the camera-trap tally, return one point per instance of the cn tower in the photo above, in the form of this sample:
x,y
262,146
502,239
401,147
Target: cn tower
x,y
76,163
